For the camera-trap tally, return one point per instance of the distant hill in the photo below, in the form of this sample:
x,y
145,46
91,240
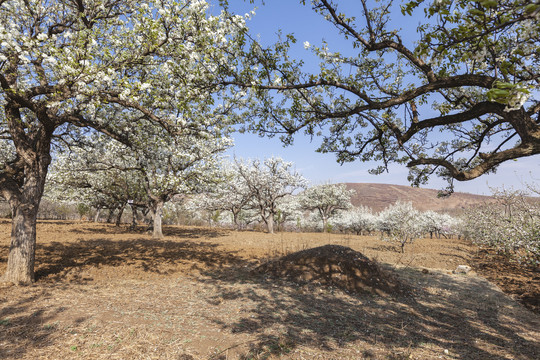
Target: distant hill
x,y
379,196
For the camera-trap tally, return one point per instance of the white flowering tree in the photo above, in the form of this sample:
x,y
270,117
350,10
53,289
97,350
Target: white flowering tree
x,y
511,226
150,174
290,213
88,177
230,193
358,220
326,200
268,183
107,65
438,224
400,223
457,97
178,165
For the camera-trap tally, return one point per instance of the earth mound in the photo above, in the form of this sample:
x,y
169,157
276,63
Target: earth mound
x,y
338,266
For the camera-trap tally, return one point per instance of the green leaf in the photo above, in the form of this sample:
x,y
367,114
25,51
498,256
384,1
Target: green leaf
x,y
489,3
476,12
531,8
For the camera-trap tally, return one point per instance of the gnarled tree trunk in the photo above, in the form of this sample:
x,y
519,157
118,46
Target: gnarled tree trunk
x,y
24,197
21,259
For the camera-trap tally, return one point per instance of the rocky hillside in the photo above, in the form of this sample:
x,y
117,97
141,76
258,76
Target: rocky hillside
x,y
379,196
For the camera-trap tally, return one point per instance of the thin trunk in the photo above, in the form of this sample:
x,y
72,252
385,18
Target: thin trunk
x,y
133,217
157,213
110,217
235,219
96,218
119,216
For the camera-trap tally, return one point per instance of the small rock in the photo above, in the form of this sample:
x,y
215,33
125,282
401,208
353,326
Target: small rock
x,y
462,269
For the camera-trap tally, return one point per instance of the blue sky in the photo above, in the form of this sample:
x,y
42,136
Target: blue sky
x,y
306,25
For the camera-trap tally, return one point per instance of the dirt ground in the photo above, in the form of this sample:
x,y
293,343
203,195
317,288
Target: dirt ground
x,y
108,293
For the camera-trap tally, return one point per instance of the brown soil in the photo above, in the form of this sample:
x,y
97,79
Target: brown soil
x,y
337,266
523,284
107,293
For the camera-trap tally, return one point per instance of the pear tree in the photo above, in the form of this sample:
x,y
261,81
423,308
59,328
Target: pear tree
x,y
95,174
510,225
400,223
68,68
269,183
229,193
358,220
326,200
454,96
148,175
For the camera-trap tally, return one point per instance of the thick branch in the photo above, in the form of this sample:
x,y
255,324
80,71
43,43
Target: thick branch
x,y
490,161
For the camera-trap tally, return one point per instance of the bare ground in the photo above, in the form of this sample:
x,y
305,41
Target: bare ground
x,y
106,293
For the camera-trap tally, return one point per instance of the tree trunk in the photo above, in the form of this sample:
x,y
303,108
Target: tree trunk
x,y
235,219
22,251
270,223
24,199
119,216
96,218
110,217
157,213
133,217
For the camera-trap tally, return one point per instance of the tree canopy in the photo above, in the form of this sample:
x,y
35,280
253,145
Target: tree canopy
x,y
326,200
457,99
268,183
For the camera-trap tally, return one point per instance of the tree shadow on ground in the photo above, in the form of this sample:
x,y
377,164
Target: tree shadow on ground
x,y
184,232
54,260
467,317
4,249
194,232
23,325
386,247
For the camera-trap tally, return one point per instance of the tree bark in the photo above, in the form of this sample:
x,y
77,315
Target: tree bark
x,y
133,217
270,223
119,216
96,218
22,251
157,213
235,219
24,199
110,217
324,224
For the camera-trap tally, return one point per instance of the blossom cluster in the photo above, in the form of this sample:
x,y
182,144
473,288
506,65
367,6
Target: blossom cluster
x,y
510,225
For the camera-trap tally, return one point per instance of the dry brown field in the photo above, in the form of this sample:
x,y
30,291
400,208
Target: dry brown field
x,y
109,293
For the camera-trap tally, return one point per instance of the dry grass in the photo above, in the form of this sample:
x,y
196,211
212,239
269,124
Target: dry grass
x,y
105,293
